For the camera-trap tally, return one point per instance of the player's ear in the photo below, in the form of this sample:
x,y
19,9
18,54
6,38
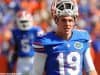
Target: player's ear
x,y
56,19
76,18
76,21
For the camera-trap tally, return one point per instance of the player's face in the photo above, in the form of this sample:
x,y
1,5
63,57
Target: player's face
x,y
65,24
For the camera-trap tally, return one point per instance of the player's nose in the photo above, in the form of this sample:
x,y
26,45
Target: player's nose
x,y
67,26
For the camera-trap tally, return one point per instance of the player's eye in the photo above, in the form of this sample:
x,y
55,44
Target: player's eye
x,y
70,20
63,20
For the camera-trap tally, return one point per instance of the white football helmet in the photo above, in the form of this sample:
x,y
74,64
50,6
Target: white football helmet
x,y
64,8
24,20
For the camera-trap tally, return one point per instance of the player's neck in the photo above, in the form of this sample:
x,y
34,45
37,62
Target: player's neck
x,y
64,36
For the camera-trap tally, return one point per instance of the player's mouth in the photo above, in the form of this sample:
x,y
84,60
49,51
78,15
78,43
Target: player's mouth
x,y
67,29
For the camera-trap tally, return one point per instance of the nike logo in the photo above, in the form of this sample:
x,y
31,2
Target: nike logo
x,y
54,47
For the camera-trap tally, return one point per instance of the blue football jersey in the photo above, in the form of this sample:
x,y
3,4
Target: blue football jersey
x,y
23,40
64,57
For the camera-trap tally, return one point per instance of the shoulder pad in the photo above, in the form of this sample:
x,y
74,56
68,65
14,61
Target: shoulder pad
x,y
80,35
50,39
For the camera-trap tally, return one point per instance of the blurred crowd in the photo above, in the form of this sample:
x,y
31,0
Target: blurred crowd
x,y
89,19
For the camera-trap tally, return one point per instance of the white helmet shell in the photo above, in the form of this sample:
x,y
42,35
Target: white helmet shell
x,y
24,20
64,8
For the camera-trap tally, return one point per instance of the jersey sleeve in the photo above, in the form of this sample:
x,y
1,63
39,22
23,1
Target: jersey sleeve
x,y
87,59
38,45
88,62
39,57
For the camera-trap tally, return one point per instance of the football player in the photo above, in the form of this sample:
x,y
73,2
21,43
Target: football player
x,y
66,50
23,37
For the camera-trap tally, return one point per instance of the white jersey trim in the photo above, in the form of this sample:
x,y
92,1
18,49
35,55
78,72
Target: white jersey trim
x,y
37,46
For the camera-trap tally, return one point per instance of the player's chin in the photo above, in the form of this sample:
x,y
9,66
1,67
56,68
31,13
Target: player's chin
x,y
67,31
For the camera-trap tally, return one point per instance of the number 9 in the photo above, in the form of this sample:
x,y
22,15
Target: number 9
x,y
73,60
